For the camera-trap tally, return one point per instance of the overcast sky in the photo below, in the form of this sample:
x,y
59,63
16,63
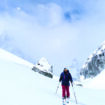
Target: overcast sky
x,y
60,30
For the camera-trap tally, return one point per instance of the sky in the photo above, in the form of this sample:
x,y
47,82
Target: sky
x,y
62,31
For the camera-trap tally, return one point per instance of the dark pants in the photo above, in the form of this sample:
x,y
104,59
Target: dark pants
x,y
65,91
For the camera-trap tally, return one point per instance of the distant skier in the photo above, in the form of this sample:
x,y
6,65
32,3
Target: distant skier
x,y
65,78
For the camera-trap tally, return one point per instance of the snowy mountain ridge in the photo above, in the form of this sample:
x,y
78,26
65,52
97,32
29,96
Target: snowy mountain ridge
x,y
43,67
13,58
95,63
42,64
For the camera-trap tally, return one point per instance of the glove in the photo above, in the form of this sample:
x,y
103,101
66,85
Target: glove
x,y
72,84
59,80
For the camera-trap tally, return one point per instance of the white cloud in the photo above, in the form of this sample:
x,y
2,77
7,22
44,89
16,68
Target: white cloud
x,y
47,33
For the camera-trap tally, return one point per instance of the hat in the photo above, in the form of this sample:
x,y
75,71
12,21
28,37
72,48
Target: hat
x,y
65,69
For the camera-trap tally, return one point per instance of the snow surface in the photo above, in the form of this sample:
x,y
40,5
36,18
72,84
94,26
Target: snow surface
x,y
97,82
19,85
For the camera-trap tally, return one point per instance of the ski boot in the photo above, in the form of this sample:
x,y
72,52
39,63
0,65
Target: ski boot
x,y
67,100
64,100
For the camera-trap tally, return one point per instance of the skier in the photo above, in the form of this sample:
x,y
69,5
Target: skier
x,y
65,77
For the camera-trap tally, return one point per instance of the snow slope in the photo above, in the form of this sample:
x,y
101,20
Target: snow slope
x,y
12,58
19,85
98,82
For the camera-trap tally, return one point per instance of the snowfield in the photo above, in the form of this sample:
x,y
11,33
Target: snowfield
x,y
19,85
98,82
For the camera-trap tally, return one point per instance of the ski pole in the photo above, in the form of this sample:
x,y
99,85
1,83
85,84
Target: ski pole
x,y
74,94
57,87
